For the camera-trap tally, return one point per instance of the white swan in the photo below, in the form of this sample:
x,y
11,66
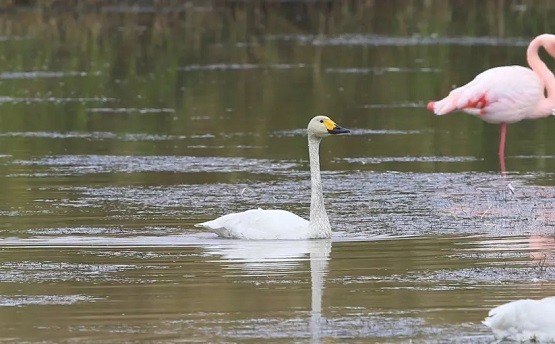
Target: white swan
x,y
524,320
258,224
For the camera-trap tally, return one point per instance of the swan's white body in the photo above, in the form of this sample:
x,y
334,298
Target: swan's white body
x,y
259,224
524,320
276,224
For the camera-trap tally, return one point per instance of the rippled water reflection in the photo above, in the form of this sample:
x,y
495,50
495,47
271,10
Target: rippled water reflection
x,y
407,261
196,286
122,127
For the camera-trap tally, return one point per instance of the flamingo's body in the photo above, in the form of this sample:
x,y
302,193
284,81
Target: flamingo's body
x,y
524,320
507,94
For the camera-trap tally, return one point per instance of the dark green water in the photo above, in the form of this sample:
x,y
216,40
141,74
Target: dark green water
x,y
122,126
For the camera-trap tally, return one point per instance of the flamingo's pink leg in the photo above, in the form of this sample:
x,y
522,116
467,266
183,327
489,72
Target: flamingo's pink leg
x,y
502,139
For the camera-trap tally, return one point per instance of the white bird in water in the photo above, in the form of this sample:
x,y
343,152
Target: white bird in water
x,y
524,320
507,94
276,224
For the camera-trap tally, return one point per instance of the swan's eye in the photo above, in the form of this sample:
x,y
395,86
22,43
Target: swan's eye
x,y
321,121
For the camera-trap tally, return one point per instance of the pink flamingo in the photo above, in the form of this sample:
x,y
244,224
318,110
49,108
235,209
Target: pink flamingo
x,y
507,94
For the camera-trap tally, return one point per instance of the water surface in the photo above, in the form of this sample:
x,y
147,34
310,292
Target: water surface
x,y
122,126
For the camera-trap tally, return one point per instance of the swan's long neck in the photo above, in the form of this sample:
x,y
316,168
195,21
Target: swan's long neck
x,y
319,226
547,105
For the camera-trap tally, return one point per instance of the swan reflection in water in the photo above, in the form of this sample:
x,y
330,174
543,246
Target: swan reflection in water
x,y
280,257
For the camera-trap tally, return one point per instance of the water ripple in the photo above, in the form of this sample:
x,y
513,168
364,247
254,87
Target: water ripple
x,y
382,70
131,110
387,159
405,105
44,272
102,135
55,100
354,131
42,74
27,300
85,164
240,66
416,40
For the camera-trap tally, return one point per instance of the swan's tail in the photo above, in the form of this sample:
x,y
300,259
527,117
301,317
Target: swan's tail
x,y
212,225
215,227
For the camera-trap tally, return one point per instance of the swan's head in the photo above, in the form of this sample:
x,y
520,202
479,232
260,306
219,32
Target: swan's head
x,y
323,126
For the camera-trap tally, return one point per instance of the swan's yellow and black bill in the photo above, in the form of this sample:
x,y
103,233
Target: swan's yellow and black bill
x,y
333,128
